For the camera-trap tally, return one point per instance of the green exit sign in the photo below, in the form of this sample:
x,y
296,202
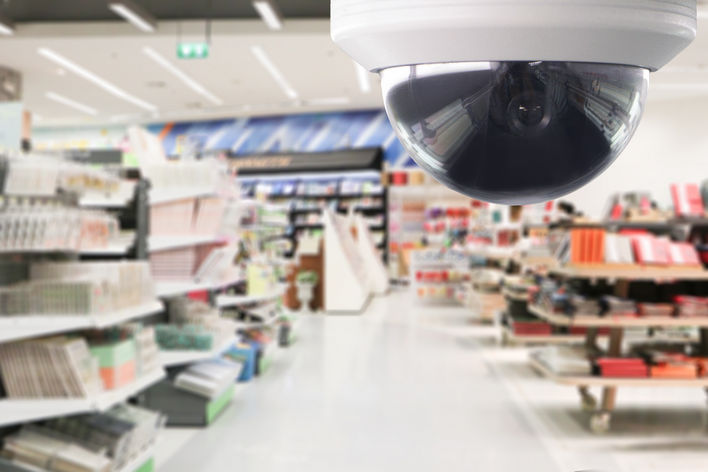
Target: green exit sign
x,y
192,50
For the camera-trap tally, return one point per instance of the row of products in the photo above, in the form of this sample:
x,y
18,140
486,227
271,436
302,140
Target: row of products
x,y
54,227
100,442
78,288
596,246
38,175
642,362
189,216
435,292
72,366
312,187
440,276
373,203
689,199
558,300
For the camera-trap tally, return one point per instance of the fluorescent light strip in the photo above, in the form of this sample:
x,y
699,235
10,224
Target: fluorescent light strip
x,y
271,17
91,77
362,75
133,15
274,71
71,103
191,83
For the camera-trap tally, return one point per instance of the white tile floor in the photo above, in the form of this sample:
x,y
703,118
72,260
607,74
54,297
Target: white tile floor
x,y
410,388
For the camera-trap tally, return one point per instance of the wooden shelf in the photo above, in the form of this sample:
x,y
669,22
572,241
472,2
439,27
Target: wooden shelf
x,y
597,381
541,339
632,273
13,328
16,411
592,321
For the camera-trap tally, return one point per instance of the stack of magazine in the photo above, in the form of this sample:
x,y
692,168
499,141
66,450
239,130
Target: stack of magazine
x,y
208,379
57,367
86,443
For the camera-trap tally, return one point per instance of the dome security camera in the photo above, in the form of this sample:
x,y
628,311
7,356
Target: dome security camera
x,y
517,101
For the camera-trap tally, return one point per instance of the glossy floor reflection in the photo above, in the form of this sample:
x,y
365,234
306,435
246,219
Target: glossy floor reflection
x,y
382,391
411,388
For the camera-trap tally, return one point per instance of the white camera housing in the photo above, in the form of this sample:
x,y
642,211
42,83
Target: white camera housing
x,y
514,101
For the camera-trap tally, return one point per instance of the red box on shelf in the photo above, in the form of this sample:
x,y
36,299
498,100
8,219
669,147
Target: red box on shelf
x,y
532,328
622,367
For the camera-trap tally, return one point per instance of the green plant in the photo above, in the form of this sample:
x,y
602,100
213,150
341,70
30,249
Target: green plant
x,y
307,277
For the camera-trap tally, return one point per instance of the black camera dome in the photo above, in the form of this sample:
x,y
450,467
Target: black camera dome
x,y
514,132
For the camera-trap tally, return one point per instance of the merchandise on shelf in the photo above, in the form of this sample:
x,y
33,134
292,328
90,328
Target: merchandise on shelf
x,y
98,442
208,379
36,175
56,367
37,226
687,200
75,288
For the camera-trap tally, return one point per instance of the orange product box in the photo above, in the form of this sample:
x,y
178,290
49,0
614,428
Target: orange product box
x,y
117,377
674,371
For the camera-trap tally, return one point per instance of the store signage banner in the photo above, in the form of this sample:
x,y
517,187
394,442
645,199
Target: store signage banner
x,y
313,132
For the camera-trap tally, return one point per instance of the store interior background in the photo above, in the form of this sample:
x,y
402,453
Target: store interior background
x,y
668,147
320,100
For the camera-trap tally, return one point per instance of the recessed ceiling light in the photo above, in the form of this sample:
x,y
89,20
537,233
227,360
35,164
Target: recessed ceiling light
x,y
134,14
274,71
362,76
190,82
269,13
7,27
71,103
91,77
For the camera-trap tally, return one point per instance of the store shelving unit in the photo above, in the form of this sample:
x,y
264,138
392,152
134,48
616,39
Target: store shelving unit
x,y
14,328
16,411
289,177
601,417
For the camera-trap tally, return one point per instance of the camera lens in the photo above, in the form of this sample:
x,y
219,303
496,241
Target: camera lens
x,y
514,132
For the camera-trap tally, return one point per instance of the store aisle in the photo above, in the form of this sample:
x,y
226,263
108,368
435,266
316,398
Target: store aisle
x,y
390,390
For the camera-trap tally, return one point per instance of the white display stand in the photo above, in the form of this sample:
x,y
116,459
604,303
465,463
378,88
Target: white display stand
x,y
378,277
347,288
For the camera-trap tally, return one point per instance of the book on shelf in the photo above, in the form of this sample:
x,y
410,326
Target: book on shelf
x,y
58,367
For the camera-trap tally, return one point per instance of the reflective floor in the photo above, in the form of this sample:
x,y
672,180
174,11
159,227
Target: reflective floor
x,y
411,388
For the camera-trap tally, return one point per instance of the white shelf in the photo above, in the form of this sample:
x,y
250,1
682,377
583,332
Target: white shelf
x,y
173,289
164,243
172,358
592,321
236,300
105,202
136,462
107,399
633,273
26,410
165,196
110,250
14,328
597,381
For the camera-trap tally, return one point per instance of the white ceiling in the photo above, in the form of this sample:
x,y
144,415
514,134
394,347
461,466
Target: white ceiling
x,y
323,76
